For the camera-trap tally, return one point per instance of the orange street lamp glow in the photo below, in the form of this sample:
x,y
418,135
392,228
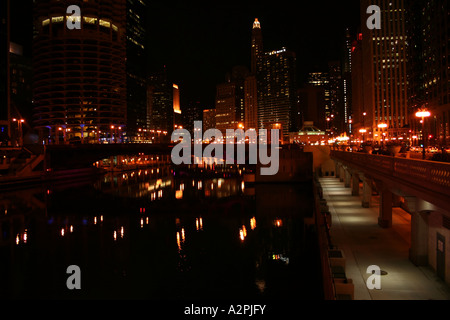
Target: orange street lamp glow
x,y
423,114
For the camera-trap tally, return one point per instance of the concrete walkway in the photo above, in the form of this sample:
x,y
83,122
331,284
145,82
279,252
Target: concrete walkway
x,y
355,230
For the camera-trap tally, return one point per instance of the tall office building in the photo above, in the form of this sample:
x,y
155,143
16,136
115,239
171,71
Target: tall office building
x,y
322,80
5,124
336,117
251,82
430,67
160,103
347,61
209,119
385,52
311,106
21,95
277,90
226,107
362,86
177,116
79,74
192,112
136,66
257,47
230,100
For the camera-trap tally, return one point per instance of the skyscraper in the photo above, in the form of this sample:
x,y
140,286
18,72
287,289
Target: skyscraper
x,y
226,106
311,106
257,47
251,82
79,74
277,90
136,66
362,86
160,102
430,67
347,62
177,116
386,95
230,100
336,117
322,80
209,119
4,73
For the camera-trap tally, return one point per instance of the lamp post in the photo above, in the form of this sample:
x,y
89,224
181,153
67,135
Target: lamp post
x,y
19,126
382,126
423,114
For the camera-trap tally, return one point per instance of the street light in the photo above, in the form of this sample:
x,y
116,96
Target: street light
x,y
363,132
423,114
19,125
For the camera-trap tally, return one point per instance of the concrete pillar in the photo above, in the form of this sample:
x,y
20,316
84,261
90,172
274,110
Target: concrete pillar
x,y
367,192
342,173
418,253
347,177
355,184
385,216
337,169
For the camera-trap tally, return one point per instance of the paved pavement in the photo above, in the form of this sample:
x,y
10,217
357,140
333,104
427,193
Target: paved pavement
x,y
355,230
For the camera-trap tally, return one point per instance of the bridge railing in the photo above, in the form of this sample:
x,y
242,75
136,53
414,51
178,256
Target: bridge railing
x,y
434,176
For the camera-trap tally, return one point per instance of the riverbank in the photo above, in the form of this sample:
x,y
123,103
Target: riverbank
x,y
13,182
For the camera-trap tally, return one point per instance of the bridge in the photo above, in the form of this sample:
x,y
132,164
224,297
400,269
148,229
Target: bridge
x,y
420,187
84,155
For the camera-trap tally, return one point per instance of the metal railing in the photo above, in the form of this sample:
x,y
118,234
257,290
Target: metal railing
x,y
434,176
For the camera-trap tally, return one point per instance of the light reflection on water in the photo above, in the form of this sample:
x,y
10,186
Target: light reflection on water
x,y
144,235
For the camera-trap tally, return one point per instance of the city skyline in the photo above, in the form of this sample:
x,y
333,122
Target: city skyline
x,y
134,151
179,38
199,44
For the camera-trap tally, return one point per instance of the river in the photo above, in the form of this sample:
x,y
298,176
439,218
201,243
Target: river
x,y
156,234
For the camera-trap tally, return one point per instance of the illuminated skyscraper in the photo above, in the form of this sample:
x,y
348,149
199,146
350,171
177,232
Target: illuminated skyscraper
x,y
230,100
336,117
209,119
251,82
322,80
430,72
277,90
160,102
136,66
385,52
226,106
347,62
177,116
4,72
79,74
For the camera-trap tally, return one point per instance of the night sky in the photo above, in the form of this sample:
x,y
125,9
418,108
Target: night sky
x,y
199,42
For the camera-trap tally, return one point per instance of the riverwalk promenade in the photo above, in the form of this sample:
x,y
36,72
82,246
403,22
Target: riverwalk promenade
x,y
355,230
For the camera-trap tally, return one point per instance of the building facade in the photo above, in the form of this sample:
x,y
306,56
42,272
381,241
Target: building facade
x,y
209,119
230,100
79,74
430,63
385,51
251,82
160,102
277,90
5,124
136,66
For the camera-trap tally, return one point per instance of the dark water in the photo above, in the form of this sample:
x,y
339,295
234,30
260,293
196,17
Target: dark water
x,y
139,235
